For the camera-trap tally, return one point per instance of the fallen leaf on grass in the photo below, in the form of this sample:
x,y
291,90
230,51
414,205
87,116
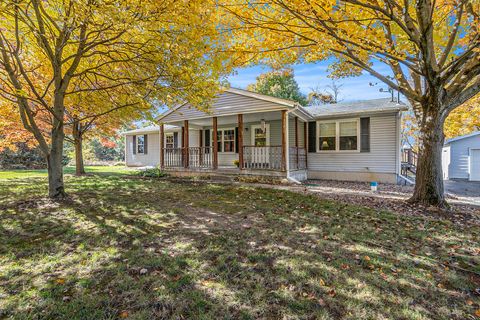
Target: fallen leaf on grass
x,y
60,281
477,313
123,314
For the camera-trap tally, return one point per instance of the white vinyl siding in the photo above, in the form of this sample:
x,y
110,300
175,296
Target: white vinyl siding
x,y
152,158
460,157
291,132
224,104
380,159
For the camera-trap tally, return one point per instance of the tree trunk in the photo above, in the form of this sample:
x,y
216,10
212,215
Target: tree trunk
x,y
79,167
429,178
56,188
78,142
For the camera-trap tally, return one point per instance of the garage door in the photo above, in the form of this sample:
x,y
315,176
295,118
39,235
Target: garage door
x,y
475,164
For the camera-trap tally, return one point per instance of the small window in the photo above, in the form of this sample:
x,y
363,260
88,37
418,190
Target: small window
x,y
141,144
169,142
226,140
327,136
348,135
229,141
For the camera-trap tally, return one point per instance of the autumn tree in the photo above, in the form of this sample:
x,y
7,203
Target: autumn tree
x,y
280,84
52,51
431,48
464,120
318,96
102,113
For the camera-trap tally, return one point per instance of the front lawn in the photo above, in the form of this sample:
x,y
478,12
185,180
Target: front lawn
x,y
19,173
126,247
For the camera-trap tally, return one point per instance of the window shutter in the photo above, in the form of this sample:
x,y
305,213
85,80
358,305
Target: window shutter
x,y
312,136
145,144
236,139
207,138
175,139
134,144
364,134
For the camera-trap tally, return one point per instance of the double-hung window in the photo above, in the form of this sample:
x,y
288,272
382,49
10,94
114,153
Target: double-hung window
x,y
327,136
141,144
169,142
226,140
348,135
339,135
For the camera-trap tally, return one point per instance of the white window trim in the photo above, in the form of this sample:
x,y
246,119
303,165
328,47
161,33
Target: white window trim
x,y
258,126
337,136
221,140
143,144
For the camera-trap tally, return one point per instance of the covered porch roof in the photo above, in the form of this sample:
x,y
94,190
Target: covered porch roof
x,y
227,105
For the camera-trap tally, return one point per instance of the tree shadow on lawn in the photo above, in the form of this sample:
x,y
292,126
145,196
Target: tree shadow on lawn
x,y
157,249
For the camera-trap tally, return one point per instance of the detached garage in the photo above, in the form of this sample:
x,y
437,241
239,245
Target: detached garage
x,y
461,157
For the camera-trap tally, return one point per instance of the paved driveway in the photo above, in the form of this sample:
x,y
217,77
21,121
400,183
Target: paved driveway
x,y
467,191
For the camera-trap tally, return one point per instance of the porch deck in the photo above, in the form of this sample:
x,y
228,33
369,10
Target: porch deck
x,y
256,160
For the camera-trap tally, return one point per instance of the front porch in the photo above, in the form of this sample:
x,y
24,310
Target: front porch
x,y
262,143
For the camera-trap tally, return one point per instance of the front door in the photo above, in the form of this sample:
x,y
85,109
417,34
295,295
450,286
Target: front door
x,y
261,143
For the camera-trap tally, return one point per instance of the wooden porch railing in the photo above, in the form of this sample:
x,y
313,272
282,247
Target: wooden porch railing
x,y
263,158
409,162
409,156
173,157
297,158
198,157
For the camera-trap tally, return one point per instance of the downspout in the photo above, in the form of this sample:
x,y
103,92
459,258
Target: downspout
x,y
287,158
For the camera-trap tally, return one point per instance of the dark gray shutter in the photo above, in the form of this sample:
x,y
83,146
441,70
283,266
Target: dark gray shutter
x,y
207,138
145,144
134,144
312,136
236,139
364,134
175,139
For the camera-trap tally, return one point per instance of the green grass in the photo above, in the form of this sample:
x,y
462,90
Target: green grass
x,y
223,252
106,170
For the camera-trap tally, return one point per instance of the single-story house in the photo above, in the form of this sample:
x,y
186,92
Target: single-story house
x,y
461,157
249,133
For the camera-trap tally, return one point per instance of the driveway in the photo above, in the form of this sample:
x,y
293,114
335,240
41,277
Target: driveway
x,y
463,190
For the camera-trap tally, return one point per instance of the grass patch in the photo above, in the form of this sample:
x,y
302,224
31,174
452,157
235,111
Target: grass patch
x,y
100,170
146,248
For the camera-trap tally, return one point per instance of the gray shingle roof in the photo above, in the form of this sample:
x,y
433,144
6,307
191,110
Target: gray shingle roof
x,y
356,107
149,129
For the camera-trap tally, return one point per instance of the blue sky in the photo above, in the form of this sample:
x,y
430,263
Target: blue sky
x,y
312,75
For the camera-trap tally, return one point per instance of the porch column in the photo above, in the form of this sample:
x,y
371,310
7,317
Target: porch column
x,y
162,146
305,141
215,143
240,140
296,141
182,153
284,139
185,142
200,149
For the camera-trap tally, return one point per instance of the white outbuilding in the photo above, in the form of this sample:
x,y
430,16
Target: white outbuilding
x,y
461,157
